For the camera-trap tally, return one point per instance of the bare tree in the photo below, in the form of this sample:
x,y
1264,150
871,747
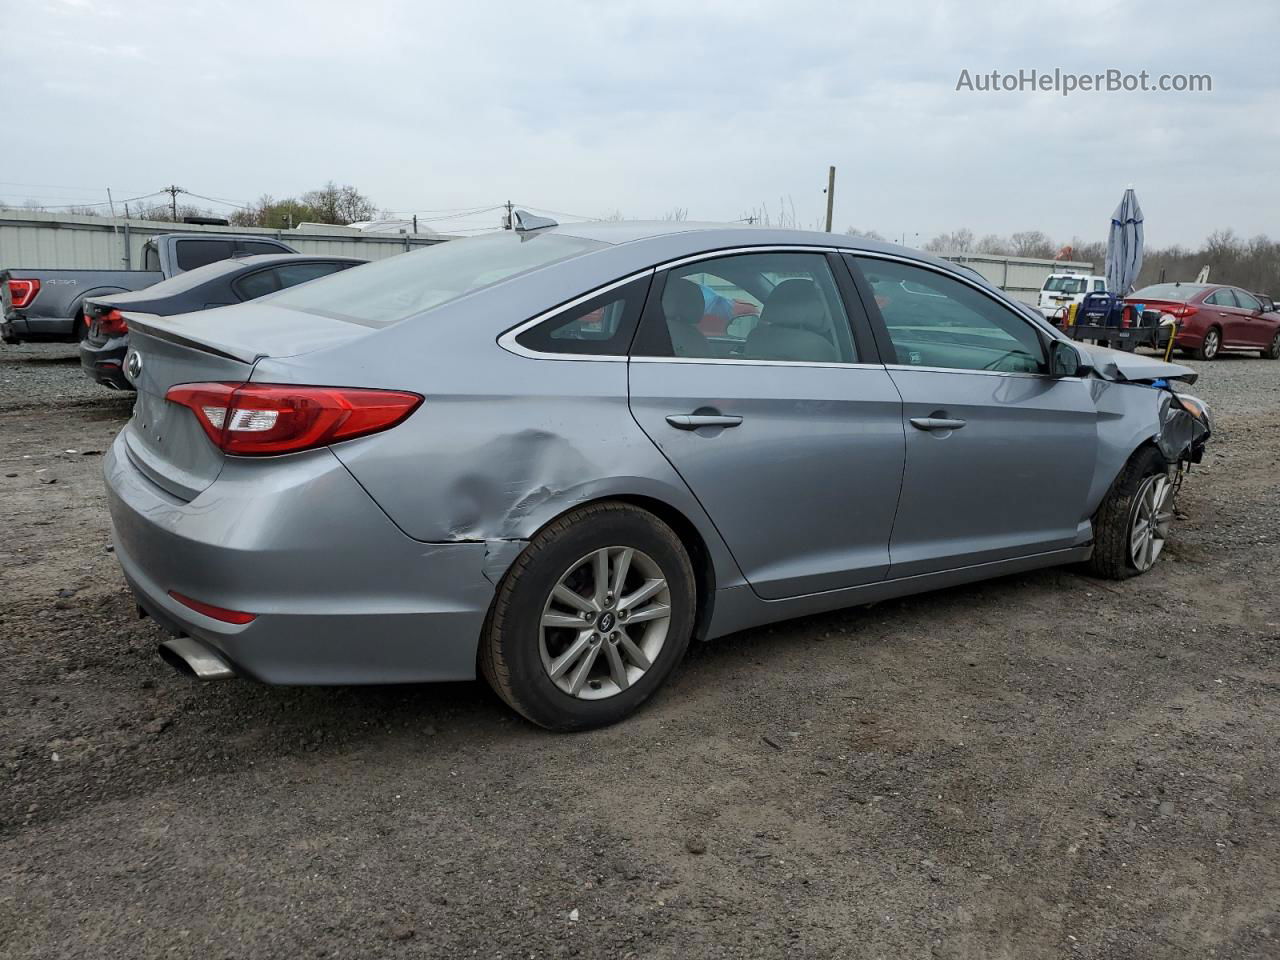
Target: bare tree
x,y
868,234
1031,243
677,214
992,243
340,205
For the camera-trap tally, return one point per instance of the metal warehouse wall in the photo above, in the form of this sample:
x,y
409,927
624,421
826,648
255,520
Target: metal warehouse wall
x,y
1021,276
50,241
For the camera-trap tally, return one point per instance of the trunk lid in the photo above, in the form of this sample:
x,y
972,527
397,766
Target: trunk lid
x,y
164,440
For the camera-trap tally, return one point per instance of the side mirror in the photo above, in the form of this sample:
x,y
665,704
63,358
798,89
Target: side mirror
x,y
1066,360
1268,306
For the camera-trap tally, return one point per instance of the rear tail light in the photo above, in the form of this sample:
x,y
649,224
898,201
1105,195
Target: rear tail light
x,y
217,613
112,324
22,292
1184,311
262,419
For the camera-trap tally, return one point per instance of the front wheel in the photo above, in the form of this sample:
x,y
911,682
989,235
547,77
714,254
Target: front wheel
x,y
591,618
1132,525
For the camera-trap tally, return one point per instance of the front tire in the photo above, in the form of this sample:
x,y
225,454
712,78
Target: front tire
x,y
591,618
1132,524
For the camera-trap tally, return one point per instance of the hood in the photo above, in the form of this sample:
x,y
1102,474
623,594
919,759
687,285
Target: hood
x,y
1120,365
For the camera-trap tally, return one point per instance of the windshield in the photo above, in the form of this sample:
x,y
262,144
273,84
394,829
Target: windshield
x,y
1065,284
1180,292
381,293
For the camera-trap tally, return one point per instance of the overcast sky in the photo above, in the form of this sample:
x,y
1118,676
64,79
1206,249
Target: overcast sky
x,y
719,108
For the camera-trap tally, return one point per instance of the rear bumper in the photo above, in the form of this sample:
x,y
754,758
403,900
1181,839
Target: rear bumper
x,y
18,327
341,596
104,362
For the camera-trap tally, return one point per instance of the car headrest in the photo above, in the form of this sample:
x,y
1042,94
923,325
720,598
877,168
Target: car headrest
x,y
682,301
796,303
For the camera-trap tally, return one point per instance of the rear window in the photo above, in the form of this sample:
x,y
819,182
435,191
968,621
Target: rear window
x,y
1065,284
198,253
1178,292
254,247
386,291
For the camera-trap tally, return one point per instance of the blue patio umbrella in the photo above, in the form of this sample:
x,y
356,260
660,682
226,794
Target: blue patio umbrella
x,y
1124,245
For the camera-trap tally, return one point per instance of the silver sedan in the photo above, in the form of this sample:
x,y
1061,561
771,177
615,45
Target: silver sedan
x,y
556,455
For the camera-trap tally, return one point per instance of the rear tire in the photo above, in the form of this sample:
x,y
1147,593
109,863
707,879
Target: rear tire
x,y
1273,350
1210,346
533,633
1140,499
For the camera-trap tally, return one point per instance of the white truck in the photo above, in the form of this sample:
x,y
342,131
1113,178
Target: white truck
x,y
1060,290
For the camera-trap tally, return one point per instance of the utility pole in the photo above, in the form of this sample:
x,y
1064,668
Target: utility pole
x,y
415,224
173,192
509,224
831,194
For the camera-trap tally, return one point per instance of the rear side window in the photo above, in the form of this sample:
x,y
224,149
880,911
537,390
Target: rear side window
x,y
150,257
199,253
1221,298
259,284
407,284
780,307
602,325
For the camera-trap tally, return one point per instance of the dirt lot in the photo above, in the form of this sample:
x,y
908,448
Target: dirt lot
x,y
1042,766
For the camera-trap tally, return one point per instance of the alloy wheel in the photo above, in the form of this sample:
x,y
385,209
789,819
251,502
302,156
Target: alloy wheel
x,y
604,622
1152,516
1211,343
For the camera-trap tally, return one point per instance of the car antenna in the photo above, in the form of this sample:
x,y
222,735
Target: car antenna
x,y
523,221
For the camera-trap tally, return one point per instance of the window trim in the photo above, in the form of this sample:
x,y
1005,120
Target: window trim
x,y
881,329
874,323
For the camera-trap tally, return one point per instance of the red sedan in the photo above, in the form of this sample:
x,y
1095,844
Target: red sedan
x,y
1214,317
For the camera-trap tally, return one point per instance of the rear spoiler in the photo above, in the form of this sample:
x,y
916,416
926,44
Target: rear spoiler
x,y
163,328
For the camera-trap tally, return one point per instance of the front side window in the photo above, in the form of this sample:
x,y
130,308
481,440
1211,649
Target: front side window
x,y
1247,300
938,321
782,307
1099,286
600,326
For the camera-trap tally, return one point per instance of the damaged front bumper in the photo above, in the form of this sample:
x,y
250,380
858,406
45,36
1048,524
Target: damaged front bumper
x,y
1185,427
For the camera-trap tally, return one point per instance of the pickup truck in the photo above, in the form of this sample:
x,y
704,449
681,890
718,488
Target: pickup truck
x,y
47,305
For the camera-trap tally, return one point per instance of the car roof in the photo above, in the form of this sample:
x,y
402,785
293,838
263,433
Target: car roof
x,y
263,259
662,236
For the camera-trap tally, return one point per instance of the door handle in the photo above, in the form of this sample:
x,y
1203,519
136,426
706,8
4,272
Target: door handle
x,y
1223,313
692,421
936,423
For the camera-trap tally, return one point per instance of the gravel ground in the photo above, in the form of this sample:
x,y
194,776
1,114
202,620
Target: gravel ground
x,y
1041,766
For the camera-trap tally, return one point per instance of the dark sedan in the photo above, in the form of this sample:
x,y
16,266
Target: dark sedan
x,y
221,284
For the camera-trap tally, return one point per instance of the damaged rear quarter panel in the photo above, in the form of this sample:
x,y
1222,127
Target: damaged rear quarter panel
x,y
495,456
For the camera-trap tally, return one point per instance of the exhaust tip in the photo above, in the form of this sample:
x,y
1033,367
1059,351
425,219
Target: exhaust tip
x,y
195,659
